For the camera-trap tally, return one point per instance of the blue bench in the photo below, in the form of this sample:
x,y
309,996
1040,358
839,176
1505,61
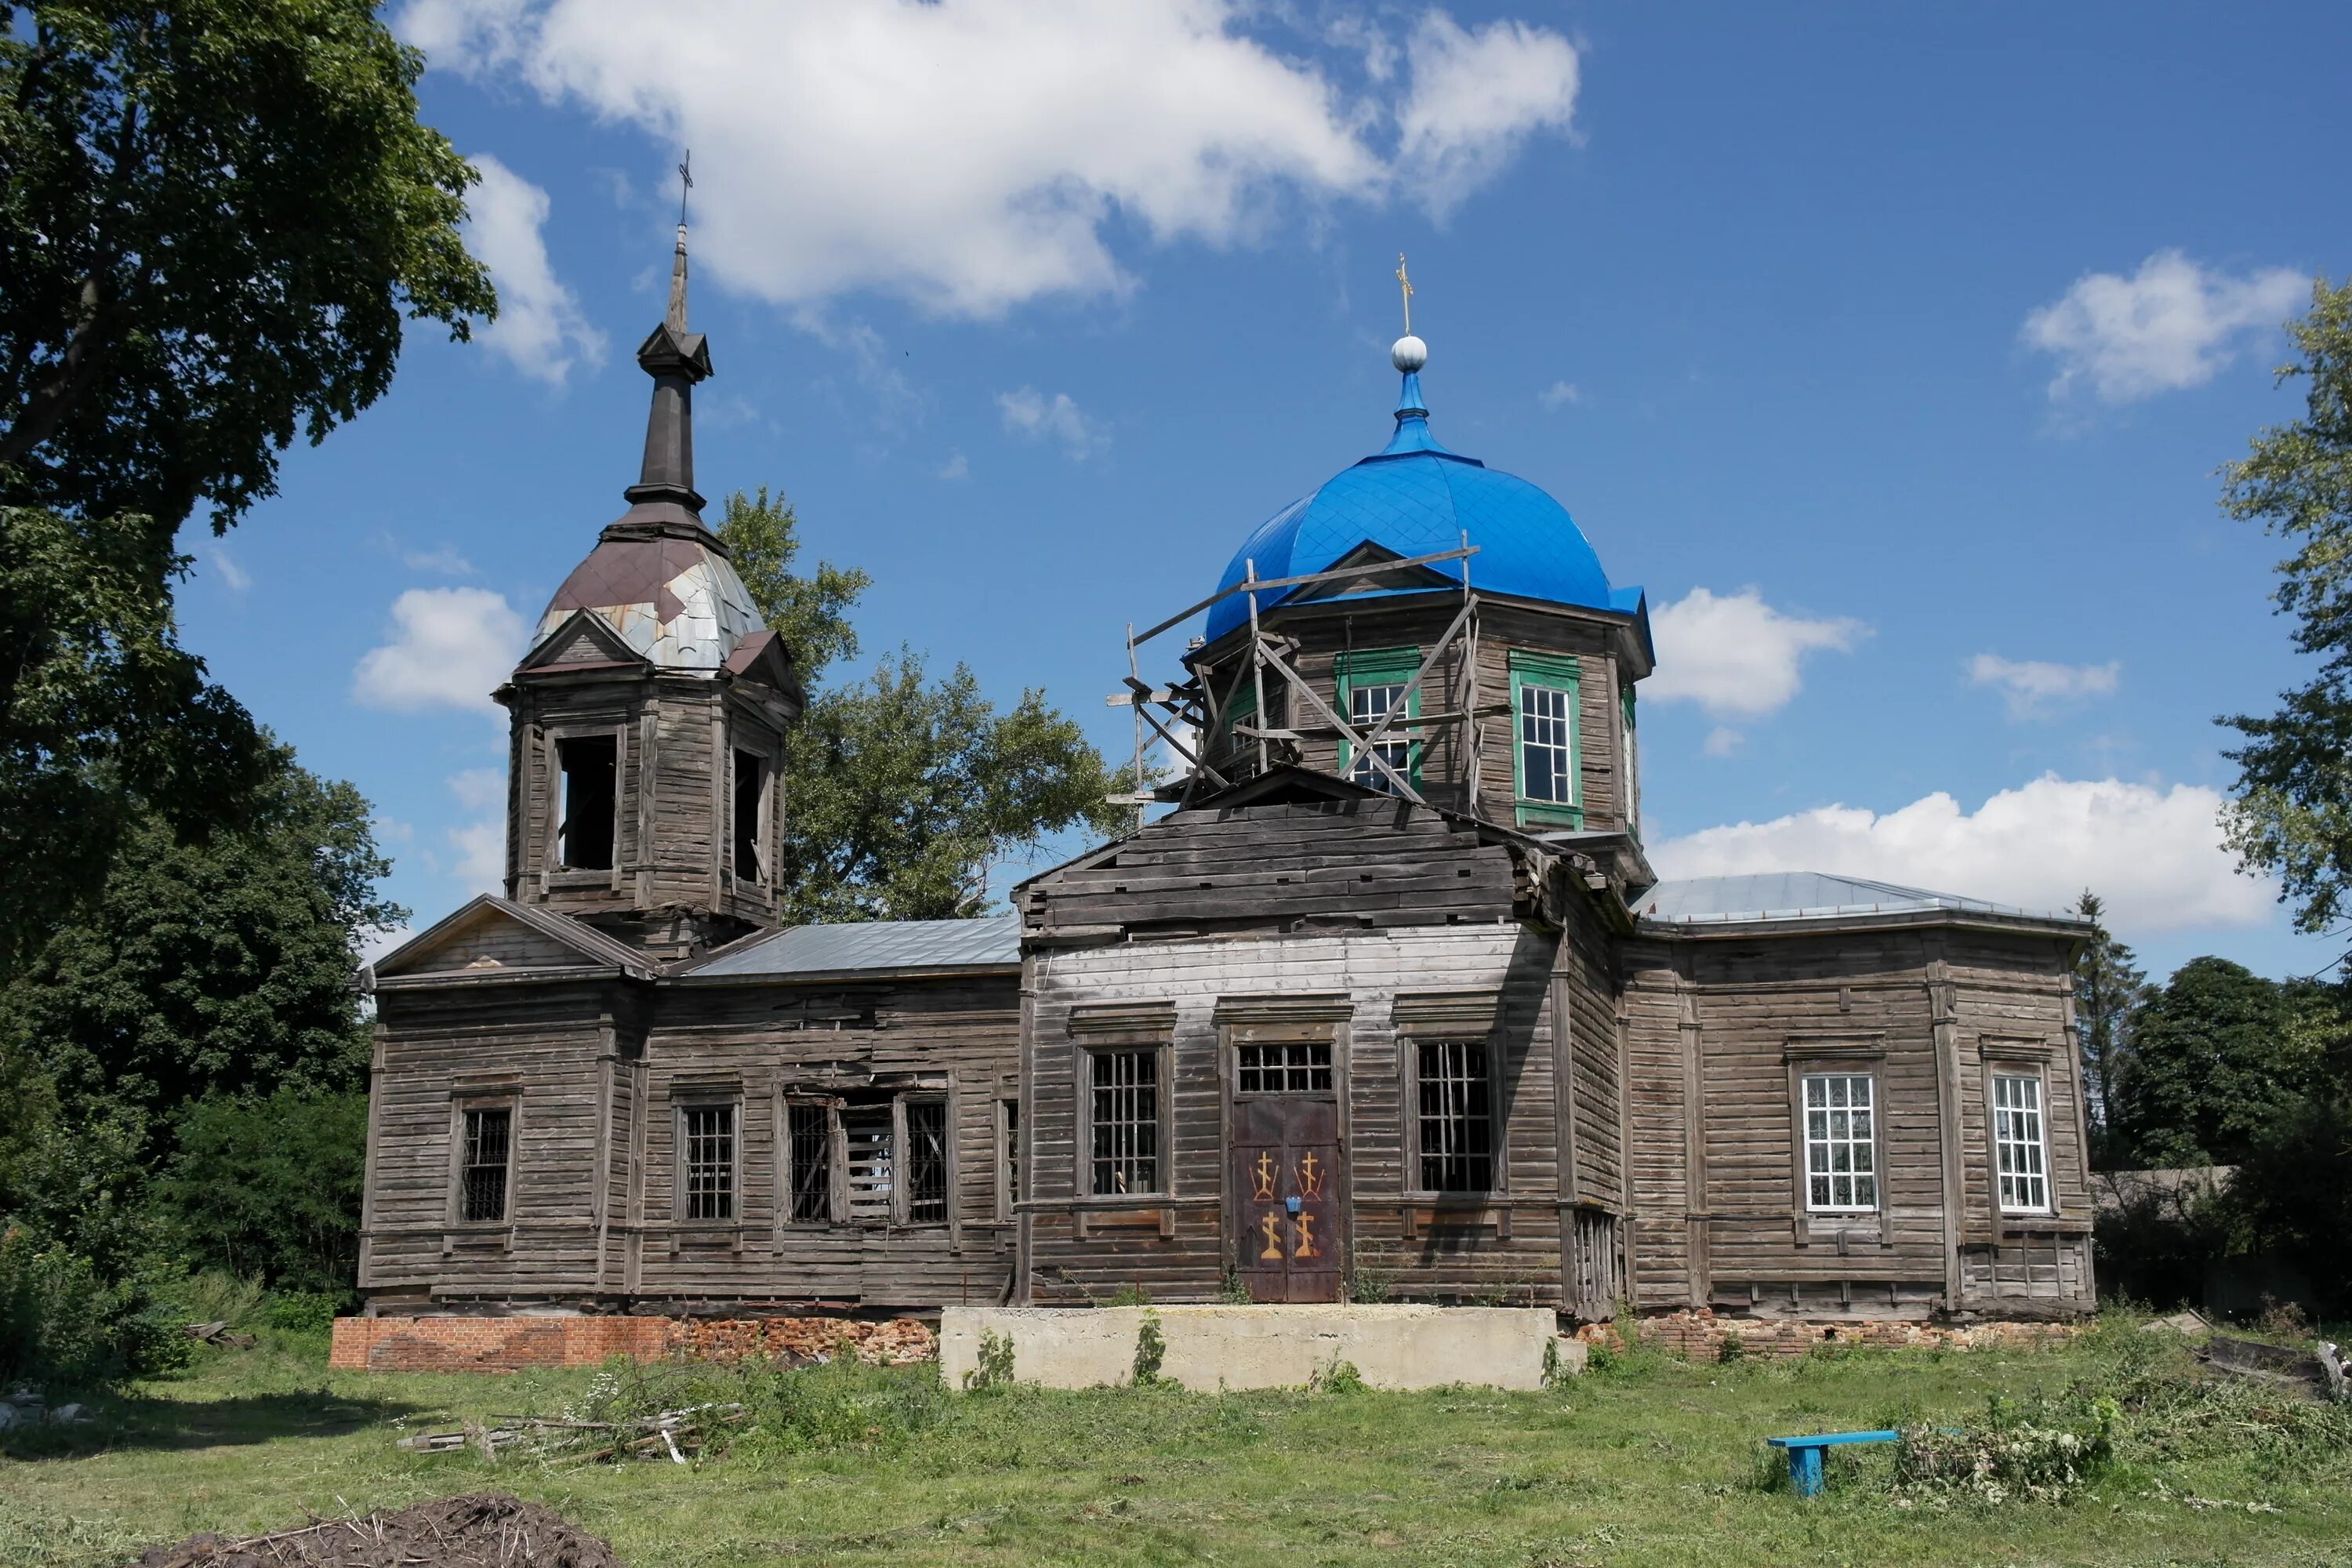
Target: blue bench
x,y
1805,1455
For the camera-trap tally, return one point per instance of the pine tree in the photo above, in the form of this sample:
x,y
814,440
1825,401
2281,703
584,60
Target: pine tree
x,y
2108,988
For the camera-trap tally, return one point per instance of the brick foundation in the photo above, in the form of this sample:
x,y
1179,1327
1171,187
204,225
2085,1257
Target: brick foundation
x,y
1700,1335
510,1344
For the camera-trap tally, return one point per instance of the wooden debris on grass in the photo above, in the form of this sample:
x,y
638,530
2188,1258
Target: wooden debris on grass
x,y
672,1435
218,1334
486,1529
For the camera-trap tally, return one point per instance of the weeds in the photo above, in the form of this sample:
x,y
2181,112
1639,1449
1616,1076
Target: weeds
x,y
995,1365
1150,1351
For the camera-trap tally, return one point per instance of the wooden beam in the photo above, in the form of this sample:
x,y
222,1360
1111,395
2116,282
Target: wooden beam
x,y
1255,584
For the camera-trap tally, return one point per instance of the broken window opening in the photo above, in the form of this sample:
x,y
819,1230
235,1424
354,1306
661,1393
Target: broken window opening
x,y
482,1175
812,1140
1011,1162
708,1133
1126,1121
589,766
927,1162
750,793
1456,1124
866,1130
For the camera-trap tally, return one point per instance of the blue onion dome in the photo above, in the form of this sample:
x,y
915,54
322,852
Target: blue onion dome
x,y
1414,498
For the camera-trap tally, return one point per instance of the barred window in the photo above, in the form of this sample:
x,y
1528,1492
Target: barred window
x,y
708,1137
2018,1145
1367,706
1126,1121
927,1162
1456,1122
810,1128
1547,747
482,1176
1841,1142
1284,1067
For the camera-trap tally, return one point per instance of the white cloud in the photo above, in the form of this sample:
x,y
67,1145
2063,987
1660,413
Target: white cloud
x,y
374,944
1560,395
480,789
234,577
540,328
450,649
2034,689
2172,324
1475,98
481,856
1723,740
2155,854
973,155
1031,413
1736,655
956,467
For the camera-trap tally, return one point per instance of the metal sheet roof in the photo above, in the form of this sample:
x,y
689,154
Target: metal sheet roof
x,y
991,941
1805,895
1415,497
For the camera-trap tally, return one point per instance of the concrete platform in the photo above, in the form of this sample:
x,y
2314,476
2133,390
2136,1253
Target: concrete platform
x,y
1398,1347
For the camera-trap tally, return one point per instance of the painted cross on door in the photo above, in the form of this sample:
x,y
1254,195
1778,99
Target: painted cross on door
x,y
1286,1197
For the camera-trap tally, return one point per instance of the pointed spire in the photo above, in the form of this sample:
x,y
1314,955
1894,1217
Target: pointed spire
x,y
676,359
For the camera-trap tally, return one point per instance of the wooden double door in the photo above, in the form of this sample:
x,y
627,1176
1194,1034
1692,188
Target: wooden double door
x,y
1289,1194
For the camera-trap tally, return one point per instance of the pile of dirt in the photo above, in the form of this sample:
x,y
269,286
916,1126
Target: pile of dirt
x,y
901,1342
488,1529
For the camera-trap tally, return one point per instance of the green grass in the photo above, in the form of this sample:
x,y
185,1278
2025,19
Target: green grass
x,y
1650,1462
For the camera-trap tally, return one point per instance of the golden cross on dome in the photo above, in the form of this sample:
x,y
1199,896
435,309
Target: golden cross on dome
x,y
1405,284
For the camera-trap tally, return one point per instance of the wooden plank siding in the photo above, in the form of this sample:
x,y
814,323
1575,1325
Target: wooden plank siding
x,y
1731,1228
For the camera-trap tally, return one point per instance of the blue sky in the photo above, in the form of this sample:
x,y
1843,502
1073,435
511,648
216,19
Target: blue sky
x,y
1892,349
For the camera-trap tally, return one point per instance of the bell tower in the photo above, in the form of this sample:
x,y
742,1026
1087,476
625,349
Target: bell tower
x,y
645,789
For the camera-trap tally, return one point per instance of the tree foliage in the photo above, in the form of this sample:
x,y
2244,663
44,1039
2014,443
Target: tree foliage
x,y
270,1185
219,965
214,216
2216,1055
2292,810
104,717
902,791
2108,987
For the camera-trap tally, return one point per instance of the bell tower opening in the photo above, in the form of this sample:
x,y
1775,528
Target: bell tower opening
x,y
589,767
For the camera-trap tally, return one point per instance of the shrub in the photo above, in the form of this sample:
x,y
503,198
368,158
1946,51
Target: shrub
x,y
1337,1377
61,1322
995,1367
1150,1350
2038,1449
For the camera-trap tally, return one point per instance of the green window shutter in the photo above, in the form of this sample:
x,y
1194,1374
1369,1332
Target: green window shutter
x,y
1630,765
1380,666
1547,673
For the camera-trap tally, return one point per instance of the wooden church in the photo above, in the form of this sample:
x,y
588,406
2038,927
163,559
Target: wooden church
x,y
1390,1005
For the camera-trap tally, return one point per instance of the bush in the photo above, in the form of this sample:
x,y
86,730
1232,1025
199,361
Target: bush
x,y
62,1323
271,1186
995,1365
2038,1449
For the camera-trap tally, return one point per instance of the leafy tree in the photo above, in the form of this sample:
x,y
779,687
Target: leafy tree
x,y
212,965
104,717
811,613
902,791
270,1185
2216,1055
905,791
2107,986
214,216
2292,810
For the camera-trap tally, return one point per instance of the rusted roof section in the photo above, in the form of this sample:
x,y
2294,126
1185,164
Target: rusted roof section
x,y
673,598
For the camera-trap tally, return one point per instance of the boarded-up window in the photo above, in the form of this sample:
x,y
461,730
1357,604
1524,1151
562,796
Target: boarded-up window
x,y
1126,1121
927,1162
1841,1142
482,1177
866,1131
750,795
810,1130
1456,1123
2018,1145
589,766
1283,1067
708,1168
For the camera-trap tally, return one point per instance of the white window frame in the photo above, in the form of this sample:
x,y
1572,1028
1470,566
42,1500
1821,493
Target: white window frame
x,y
1819,1128
2017,1119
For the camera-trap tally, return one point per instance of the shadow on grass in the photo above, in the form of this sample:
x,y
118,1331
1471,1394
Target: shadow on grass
x,y
146,1421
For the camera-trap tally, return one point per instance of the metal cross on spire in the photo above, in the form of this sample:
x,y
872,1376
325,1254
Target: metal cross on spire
x,y
1405,285
686,184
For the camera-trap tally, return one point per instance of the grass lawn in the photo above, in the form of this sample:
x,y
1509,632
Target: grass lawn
x,y
1652,1461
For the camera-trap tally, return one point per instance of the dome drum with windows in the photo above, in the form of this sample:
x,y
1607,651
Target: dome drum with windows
x,y
1434,629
